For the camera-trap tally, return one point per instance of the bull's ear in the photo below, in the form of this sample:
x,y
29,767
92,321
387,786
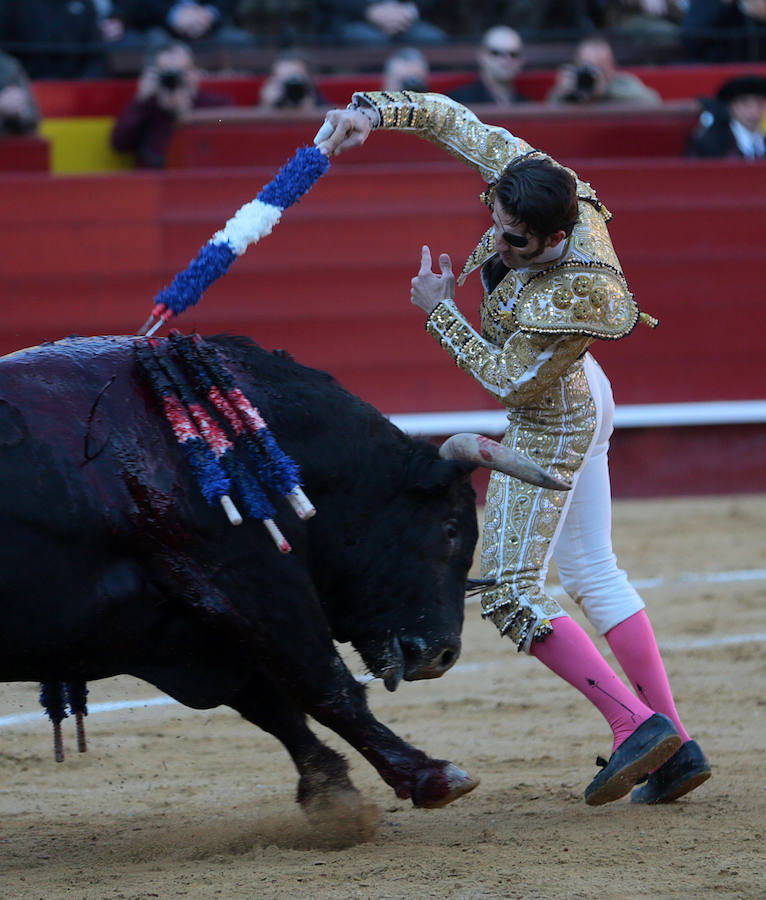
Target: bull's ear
x,y
437,474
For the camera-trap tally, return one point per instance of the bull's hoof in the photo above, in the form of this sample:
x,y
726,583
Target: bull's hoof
x,y
441,785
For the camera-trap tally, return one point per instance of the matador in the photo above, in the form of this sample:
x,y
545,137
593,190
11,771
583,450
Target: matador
x,y
552,285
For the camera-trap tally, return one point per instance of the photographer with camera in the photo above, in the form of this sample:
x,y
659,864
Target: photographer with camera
x,y
406,69
593,77
290,84
168,87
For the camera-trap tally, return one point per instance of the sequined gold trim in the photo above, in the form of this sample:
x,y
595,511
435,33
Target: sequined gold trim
x,y
521,520
514,617
504,371
448,124
649,320
577,298
497,317
484,249
590,237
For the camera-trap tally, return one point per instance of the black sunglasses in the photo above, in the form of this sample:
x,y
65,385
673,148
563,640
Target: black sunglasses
x,y
496,51
515,240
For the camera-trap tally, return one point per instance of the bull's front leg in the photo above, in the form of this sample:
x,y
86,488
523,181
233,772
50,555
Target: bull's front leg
x,y
330,694
429,782
311,674
324,786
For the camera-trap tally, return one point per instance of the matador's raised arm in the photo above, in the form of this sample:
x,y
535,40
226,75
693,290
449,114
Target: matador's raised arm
x,y
449,125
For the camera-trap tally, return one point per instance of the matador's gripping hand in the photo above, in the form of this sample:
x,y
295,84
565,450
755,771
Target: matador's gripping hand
x,y
430,288
344,129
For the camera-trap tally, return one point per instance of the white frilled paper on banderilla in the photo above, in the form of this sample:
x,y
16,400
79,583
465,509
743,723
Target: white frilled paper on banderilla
x,y
246,227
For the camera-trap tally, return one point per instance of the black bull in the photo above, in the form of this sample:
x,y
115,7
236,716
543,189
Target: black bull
x,y
113,563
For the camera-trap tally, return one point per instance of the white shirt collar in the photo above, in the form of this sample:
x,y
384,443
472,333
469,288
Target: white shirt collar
x,y
751,143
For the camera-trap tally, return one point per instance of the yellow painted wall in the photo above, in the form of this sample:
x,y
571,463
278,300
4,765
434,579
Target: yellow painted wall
x,y
81,144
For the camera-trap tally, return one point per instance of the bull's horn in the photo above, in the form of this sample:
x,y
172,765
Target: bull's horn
x,y
483,451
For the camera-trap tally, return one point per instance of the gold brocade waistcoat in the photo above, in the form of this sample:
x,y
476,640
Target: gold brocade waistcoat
x,y
584,292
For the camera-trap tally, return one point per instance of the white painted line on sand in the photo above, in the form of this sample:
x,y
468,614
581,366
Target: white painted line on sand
x,y
644,584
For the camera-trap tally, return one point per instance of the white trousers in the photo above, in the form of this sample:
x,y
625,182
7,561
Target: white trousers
x,y
582,543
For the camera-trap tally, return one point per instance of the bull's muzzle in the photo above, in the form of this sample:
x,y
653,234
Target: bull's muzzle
x,y
413,661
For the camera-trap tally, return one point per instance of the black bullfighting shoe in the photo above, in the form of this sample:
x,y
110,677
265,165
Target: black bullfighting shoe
x,y
687,769
653,742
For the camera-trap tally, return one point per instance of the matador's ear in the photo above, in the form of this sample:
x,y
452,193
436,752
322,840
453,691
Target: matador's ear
x,y
487,196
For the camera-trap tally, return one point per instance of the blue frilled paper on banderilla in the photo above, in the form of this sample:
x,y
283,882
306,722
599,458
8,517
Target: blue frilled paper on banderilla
x,y
247,226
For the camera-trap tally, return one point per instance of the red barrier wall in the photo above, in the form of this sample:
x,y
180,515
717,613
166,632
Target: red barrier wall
x,y
24,153
237,137
87,255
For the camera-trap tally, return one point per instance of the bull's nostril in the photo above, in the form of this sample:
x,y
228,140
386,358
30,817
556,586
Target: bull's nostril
x,y
447,659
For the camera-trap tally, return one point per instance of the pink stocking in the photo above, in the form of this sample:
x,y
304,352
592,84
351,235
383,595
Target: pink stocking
x,y
571,654
635,648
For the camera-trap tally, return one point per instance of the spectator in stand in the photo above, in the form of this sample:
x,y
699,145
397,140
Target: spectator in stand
x,y
500,58
19,113
554,19
144,23
593,77
725,30
54,38
377,22
733,124
111,26
651,23
168,87
291,84
406,69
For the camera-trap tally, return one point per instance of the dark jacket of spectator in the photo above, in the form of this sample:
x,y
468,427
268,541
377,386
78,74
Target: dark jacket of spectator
x,y
718,31
476,92
154,13
19,113
346,21
732,124
167,88
53,38
145,128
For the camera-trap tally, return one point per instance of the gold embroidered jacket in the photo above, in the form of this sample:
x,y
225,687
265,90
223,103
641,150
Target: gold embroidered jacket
x,y
537,321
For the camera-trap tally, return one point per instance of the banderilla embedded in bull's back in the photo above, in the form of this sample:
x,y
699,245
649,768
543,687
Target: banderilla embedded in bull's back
x,y
191,381
207,448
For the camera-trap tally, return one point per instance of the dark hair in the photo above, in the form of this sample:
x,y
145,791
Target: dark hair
x,y
539,193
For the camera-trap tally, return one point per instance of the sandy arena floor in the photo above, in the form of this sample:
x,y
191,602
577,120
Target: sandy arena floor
x,y
169,802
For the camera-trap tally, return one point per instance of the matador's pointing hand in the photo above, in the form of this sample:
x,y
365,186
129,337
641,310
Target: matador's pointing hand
x,y
430,288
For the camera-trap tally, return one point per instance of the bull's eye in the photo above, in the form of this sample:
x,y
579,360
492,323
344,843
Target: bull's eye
x,y
450,529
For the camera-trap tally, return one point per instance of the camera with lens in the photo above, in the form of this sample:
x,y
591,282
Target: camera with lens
x,y
586,78
12,123
294,90
171,79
